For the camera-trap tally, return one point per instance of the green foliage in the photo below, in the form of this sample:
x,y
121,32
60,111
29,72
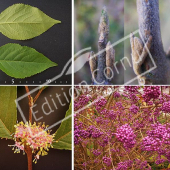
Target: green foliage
x,y
21,22
20,61
86,30
63,134
8,110
160,166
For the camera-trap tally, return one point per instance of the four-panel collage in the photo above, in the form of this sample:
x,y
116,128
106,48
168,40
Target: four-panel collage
x,y
84,85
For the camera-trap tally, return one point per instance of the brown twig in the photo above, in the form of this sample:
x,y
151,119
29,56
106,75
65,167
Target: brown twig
x,y
38,94
29,157
31,102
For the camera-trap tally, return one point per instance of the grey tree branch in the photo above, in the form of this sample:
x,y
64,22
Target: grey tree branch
x,y
150,36
102,68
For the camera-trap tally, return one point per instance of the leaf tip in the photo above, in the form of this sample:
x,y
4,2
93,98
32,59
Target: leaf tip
x,y
57,22
55,64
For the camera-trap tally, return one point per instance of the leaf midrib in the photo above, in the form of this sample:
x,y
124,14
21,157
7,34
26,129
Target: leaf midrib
x,y
5,126
63,143
1,23
21,61
59,139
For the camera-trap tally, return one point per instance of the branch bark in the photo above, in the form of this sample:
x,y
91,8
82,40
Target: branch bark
x,y
150,37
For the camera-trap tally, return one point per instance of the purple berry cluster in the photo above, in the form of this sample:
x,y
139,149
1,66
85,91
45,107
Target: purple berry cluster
x,y
166,107
134,109
131,93
142,164
132,89
150,103
80,133
126,135
160,161
100,103
82,101
124,165
158,139
112,115
108,114
116,94
104,141
151,92
119,105
96,152
94,132
77,131
107,160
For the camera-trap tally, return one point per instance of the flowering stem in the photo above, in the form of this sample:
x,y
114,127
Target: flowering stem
x,y
28,149
31,102
29,157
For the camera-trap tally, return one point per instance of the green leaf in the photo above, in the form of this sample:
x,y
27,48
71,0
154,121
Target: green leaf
x,y
88,152
20,61
63,134
8,110
21,22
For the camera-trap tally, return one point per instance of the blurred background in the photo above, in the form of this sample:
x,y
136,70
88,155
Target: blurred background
x,y
131,24
87,15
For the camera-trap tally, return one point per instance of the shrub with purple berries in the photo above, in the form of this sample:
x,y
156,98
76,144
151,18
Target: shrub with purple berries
x,y
123,129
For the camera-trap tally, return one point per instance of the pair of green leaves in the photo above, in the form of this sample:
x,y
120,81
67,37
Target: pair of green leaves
x,y
22,22
8,117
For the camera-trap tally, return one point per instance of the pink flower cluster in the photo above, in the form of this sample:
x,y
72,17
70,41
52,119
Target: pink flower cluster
x,y
126,135
34,136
